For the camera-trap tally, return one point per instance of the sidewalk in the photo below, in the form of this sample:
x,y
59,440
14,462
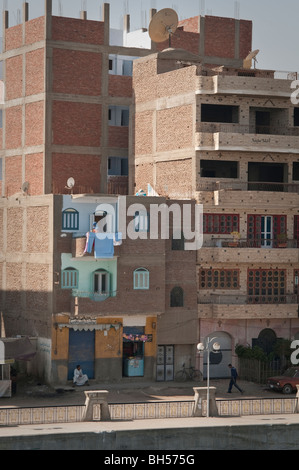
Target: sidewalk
x,y
32,393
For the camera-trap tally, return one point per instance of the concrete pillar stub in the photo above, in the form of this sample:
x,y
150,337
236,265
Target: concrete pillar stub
x,y
200,395
297,396
96,397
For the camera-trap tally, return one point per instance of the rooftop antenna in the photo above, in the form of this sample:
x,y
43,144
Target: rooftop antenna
x,y
237,10
247,62
163,25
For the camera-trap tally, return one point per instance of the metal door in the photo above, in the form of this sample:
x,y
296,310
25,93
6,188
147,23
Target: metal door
x,y
81,351
165,363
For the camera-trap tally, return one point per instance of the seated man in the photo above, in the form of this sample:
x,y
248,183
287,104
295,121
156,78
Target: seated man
x,y
79,378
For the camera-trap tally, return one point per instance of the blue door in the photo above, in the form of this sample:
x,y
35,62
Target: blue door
x,y
81,351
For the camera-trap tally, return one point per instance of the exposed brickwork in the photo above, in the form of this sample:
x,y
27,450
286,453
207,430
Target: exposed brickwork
x,y
219,37
34,172
144,133
77,72
75,30
37,229
34,115
120,86
118,136
85,169
77,124
14,37
37,286
174,128
14,77
14,225
1,234
13,137
35,72
167,181
13,175
35,30
182,40
245,38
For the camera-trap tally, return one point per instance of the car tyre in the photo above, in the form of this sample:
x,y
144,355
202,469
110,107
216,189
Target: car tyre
x,y
287,389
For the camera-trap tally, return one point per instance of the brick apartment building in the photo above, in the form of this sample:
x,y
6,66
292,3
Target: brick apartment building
x,y
73,110
228,138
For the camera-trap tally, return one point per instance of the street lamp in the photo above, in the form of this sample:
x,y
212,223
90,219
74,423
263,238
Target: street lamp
x,y
215,347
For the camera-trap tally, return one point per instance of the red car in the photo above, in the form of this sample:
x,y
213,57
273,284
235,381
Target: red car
x,y
286,382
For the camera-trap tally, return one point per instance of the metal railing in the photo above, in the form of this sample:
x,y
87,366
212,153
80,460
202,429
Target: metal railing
x,y
254,129
226,242
248,186
245,299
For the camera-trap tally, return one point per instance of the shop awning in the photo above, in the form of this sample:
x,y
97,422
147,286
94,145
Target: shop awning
x,y
16,349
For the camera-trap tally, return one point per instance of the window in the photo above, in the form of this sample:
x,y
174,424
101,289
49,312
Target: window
x,y
101,283
219,279
296,116
295,171
142,221
118,166
141,278
177,297
266,286
70,219
263,230
118,115
219,113
216,169
69,278
220,223
296,282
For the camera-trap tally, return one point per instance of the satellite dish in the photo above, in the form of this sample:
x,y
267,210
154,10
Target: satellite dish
x,y
247,62
163,24
70,183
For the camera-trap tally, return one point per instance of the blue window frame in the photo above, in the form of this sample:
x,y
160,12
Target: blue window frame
x,y
142,221
69,278
70,219
141,278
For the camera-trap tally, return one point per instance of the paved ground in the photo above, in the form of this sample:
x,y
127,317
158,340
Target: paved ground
x,y
32,393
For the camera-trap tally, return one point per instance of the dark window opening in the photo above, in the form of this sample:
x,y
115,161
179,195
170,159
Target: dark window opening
x,y
177,297
296,116
262,120
265,173
296,171
219,113
118,166
217,169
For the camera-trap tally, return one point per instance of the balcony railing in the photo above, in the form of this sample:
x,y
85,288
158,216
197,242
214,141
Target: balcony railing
x,y
245,299
248,186
226,242
236,128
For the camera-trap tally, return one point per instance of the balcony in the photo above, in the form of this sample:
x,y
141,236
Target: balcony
x,y
251,138
118,185
244,306
250,86
78,249
225,250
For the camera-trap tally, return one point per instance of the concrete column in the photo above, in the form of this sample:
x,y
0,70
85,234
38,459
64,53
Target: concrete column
x,y
96,397
83,15
152,12
106,19
200,396
127,24
5,21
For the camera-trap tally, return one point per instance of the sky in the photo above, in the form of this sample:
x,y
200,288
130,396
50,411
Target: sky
x,y
275,22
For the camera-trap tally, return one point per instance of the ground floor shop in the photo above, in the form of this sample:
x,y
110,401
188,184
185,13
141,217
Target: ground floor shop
x,y
107,348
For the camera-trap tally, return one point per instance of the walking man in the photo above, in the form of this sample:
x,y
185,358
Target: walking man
x,y
233,379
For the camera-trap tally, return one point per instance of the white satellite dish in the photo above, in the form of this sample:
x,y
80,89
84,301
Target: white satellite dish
x,y
163,24
70,183
247,62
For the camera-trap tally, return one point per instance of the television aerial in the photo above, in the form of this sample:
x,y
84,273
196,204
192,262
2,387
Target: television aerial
x,y
247,62
163,24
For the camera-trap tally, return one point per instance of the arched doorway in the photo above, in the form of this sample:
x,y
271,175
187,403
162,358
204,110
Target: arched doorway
x,y
265,340
219,361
